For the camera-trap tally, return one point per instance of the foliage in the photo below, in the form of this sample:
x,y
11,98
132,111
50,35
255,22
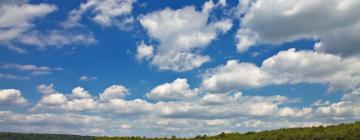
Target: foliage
x,y
31,136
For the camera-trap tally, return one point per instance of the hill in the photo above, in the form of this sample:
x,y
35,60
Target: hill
x,y
335,132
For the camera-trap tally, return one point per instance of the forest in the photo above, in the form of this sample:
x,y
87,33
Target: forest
x,y
350,131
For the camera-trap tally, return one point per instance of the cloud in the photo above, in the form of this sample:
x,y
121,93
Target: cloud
x,y
57,38
12,26
19,28
348,108
78,100
80,93
46,89
179,89
235,75
286,67
334,25
144,52
179,105
12,76
103,12
182,34
10,97
32,69
113,92
49,122
24,71
216,112
88,78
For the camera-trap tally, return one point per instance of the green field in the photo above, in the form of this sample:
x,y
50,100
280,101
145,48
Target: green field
x,y
335,132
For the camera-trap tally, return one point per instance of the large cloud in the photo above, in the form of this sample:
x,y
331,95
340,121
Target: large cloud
x,y
80,113
286,67
182,33
332,22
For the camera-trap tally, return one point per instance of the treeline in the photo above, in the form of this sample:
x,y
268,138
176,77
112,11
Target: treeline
x,y
335,132
31,136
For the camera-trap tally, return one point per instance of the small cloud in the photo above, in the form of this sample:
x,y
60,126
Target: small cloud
x,y
88,78
32,69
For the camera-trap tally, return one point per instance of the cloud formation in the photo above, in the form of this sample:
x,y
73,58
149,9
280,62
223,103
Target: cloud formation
x,y
103,12
334,25
19,27
286,67
10,97
182,34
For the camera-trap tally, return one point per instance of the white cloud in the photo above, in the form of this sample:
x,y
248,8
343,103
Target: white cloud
x,y
103,12
113,92
16,26
46,89
55,99
11,18
179,89
275,22
144,51
88,78
50,122
215,112
80,93
182,34
125,107
245,39
235,75
286,67
33,69
11,97
13,77
57,38
348,108
16,19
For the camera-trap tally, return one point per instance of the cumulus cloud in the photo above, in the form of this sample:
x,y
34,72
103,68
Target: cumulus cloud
x,y
347,109
182,34
286,67
80,93
144,51
113,92
11,97
103,12
179,89
334,25
46,89
215,112
52,100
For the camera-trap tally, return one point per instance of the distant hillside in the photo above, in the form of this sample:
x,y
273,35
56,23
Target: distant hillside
x,y
336,132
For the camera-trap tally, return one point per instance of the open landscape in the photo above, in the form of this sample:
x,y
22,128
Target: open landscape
x,y
350,131
179,69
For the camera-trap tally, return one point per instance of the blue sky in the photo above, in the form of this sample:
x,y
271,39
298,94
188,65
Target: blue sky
x,y
135,67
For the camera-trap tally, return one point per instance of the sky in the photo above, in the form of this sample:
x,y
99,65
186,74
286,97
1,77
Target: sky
x,y
177,67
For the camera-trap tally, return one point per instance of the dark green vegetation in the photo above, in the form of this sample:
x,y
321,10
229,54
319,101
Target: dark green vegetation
x,y
336,132
22,136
